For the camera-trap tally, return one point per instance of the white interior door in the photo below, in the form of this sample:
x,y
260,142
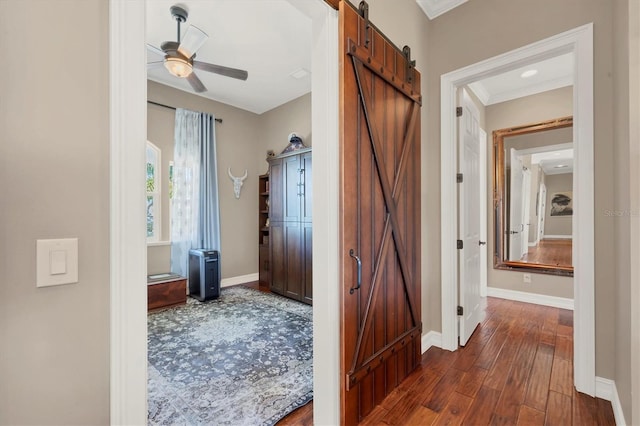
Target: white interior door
x,y
515,207
526,205
469,218
483,213
542,205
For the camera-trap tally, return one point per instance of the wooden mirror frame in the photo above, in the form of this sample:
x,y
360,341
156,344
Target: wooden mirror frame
x,y
499,209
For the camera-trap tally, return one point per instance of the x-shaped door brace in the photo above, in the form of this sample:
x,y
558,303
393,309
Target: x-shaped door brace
x,y
360,368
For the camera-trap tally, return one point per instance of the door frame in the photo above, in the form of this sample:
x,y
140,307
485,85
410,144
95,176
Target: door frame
x,y
128,299
579,41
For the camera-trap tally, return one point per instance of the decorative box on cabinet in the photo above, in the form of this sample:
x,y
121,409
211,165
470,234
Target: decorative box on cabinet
x,y
263,229
290,239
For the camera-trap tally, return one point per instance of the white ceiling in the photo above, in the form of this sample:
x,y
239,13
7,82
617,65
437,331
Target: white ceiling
x,y
554,162
553,73
270,39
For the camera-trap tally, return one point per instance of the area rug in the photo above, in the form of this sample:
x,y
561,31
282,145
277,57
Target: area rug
x,y
243,359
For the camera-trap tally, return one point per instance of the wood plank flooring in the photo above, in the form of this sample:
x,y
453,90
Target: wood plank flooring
x,y
550,252
517,369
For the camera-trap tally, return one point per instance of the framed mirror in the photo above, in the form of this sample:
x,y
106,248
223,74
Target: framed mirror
x,y
533,198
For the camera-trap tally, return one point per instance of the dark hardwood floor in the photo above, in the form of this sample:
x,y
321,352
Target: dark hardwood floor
x,y
517,369
550,252
256,285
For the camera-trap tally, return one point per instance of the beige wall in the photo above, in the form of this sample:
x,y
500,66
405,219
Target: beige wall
x,y
277,124
481,29
628,345
625,359
531,109
236,138
242,142
557,225
54,163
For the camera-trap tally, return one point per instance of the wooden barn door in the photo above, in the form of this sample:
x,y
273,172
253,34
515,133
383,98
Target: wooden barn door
x,y
380,214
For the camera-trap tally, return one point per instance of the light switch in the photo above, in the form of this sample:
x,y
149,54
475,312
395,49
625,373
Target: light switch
x,y
56,262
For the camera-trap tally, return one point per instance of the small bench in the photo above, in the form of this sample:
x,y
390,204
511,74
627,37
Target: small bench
x,y
165,290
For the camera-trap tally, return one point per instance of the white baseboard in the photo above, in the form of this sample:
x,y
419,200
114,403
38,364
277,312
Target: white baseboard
x,y
606,389
538,299
557,237
241,279
432,338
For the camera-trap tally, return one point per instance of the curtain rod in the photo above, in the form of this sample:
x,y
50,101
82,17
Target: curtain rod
x,y
219,120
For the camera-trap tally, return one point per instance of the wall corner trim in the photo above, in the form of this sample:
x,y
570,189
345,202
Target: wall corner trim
x,y
606,389
432,338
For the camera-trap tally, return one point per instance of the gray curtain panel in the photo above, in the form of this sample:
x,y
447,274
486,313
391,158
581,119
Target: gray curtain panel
x,y
195,213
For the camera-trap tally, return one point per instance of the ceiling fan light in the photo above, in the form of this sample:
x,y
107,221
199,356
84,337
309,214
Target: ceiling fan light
x,y
178,66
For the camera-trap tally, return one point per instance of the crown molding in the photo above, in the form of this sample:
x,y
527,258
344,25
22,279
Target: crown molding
x,y
435,8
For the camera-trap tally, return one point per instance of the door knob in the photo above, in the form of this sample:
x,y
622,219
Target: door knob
x,y
482,243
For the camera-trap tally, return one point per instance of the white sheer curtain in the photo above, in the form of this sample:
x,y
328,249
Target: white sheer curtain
x,y
195,215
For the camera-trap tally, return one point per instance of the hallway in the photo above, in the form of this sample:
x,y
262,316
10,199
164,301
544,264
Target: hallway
x,y
516,369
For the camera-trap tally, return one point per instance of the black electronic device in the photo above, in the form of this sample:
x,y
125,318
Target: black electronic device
x,y
204,274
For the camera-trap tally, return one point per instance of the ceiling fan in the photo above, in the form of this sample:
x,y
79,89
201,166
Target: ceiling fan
x,y
179,56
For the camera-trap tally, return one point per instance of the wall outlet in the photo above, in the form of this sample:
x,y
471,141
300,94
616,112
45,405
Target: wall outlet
x,y
526,278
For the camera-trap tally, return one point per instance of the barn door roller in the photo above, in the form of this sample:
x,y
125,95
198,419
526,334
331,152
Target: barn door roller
x,y
410,64
363,9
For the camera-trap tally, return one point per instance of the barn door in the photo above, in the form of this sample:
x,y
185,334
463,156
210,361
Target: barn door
x,y
380,214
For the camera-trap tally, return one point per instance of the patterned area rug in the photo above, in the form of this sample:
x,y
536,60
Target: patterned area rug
x,y
243,359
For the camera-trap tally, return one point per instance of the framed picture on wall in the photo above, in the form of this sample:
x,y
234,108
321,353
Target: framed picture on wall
x,y
562,204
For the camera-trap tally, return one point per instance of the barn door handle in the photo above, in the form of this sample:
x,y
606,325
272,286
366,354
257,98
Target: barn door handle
x,y
359,263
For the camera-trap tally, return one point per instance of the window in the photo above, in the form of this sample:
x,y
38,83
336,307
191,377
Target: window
x,y
153,193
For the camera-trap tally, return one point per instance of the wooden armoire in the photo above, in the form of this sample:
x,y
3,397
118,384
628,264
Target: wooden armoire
x,y
290,229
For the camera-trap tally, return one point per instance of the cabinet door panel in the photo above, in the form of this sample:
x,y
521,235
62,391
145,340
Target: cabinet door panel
x,y
276,191
292,188
278,258
294,260
307,236
307,187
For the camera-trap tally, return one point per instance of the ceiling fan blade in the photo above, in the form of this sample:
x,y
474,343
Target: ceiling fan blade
x,y
154,54
155,64
219,69
193,40
195,82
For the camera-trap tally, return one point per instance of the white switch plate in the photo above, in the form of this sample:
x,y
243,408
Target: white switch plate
x,y
56,262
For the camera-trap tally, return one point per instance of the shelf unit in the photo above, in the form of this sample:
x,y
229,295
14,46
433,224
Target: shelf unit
x,y
263,229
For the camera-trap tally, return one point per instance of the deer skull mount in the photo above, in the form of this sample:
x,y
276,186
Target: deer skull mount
x,y
237,182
